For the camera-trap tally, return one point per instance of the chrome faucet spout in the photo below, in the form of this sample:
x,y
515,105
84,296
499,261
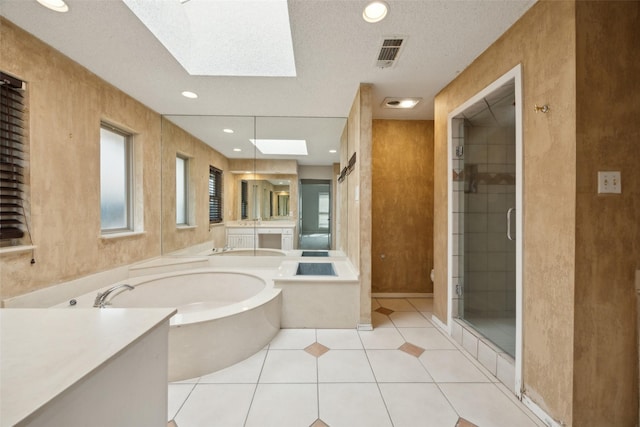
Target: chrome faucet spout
x,y
101,298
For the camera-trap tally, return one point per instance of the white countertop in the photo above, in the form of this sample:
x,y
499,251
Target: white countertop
x,y
43,352
262,224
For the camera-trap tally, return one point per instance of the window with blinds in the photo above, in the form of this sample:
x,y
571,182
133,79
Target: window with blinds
x,y
13,159
215,195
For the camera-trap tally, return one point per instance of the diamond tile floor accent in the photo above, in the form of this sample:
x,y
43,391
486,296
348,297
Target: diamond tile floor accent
x,y
411,349
316,349
464,423
396,376
384,310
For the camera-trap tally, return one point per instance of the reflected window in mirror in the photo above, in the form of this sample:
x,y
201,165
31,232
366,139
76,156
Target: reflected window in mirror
x,y
215,195
244,199
283,204
270,204
323,211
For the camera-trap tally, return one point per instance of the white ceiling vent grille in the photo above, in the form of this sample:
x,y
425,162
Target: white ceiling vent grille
x,y
389,52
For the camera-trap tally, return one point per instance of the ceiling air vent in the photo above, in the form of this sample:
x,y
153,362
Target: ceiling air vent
x,y
389,52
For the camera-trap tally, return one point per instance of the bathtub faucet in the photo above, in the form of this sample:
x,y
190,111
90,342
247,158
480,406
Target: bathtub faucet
x,y
101,298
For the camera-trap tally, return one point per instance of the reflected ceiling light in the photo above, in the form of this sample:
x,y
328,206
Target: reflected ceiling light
x,y
400,102
56,5
189,95
227,130
333,151
237,149
375,11
287,147
248,172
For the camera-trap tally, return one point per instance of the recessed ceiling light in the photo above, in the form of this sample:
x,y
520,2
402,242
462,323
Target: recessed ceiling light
x,y
57,5
333,151
248,172
227,130
189,95
375,11
288,147
237,149
400,102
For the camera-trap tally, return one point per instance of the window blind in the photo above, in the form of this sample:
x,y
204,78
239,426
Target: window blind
x,y
12,158
215,195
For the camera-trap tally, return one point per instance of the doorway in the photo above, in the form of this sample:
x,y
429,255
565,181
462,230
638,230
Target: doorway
x,y
315,214
486,216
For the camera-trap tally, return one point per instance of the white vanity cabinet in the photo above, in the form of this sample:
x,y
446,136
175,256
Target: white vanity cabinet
x,y
265,235
287,241
240,237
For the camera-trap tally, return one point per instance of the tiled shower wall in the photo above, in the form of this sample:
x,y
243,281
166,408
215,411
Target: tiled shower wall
x,y
484,186
457,134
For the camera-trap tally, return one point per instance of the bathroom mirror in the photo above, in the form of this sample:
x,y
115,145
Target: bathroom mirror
x,y
259,183
264,199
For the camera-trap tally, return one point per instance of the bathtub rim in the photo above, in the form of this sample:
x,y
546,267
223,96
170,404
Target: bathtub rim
x,y
266,294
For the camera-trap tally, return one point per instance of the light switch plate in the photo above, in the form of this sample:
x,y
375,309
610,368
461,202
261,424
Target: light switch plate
x,y
609,182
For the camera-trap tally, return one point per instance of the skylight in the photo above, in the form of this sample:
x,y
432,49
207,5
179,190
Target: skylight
x,y
287,147
222,37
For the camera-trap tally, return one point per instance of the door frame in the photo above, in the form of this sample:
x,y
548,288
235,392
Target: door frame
x,y
514,74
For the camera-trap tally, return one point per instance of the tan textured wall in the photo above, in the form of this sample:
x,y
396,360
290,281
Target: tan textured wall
x,y
176,141
607,226
543,41
66,105
402,206
352,183
358,193
342,190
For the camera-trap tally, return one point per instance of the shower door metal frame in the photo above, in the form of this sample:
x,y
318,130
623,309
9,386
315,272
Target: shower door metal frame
x,y
516,75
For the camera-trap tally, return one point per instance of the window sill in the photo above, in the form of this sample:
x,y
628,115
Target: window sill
x,y
9,250
216,224
186,227
124,235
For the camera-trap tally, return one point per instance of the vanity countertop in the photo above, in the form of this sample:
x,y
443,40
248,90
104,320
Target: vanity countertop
x,y
46,351
262,224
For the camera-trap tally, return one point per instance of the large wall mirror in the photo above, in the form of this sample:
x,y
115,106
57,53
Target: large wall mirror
x,y
255,168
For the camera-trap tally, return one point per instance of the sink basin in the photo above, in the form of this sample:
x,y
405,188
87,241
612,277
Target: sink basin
x,y
315,253
315,269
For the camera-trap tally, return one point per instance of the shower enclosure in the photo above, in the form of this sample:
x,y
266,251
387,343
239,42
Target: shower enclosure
x,y
484,216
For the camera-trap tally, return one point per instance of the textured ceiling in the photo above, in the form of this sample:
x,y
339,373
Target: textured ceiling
x,y
335,50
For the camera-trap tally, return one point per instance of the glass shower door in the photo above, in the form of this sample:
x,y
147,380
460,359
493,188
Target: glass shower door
x,y
486,199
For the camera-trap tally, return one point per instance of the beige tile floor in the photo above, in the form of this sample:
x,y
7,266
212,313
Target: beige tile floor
x,y
363,379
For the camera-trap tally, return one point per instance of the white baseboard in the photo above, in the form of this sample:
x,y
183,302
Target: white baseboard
x,y
540,413
365,327
402,295
439,323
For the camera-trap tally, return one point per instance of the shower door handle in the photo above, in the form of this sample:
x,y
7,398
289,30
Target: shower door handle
x,y
509,212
